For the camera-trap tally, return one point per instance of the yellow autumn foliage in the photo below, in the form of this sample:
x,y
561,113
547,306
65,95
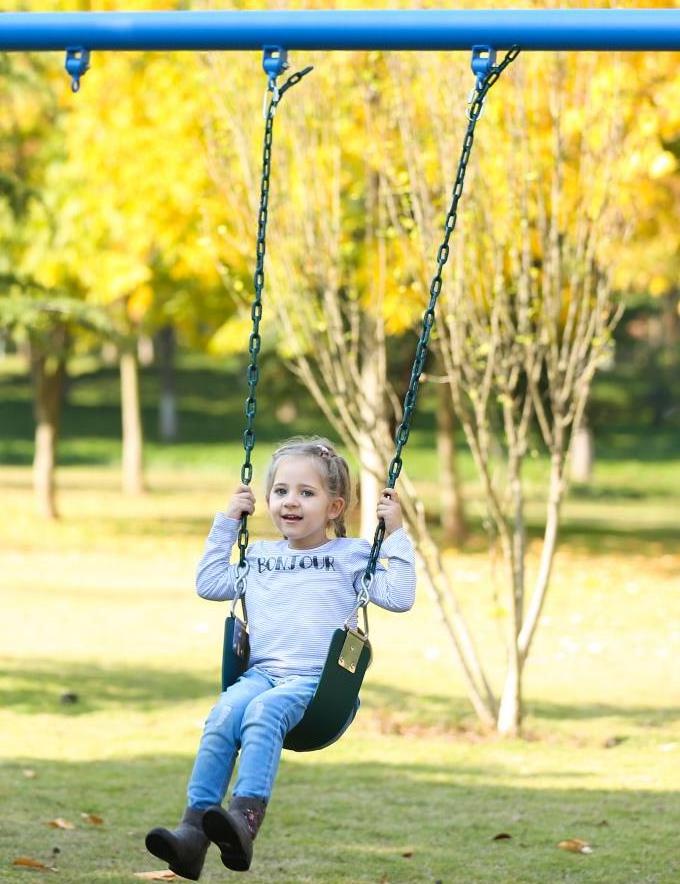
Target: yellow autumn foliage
x,y
150,194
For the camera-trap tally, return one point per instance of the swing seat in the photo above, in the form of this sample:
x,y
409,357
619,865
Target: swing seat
x,y
335,703
234,650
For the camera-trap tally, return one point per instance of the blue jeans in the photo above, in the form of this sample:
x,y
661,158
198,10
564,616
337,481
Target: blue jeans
x,y
253,715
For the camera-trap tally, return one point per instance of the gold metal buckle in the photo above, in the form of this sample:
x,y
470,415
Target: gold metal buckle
x,y
351,650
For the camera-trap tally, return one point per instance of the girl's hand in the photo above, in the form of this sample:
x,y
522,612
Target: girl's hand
x,y
242,502
389,509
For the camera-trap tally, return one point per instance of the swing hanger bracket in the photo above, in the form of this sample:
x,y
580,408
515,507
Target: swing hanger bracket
x,y
483,60
274,62
482,64
77,64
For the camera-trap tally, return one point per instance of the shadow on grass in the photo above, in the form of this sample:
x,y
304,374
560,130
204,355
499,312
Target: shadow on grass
x,y
349,823
583,535
57,687
597,538
638,442
73,689
167,526
645,716
398,711
614,493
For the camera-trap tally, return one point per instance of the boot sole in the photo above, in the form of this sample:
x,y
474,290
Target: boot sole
x,y
157,844
225,836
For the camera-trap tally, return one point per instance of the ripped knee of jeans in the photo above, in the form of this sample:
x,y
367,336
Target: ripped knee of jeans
x,y
256,711
219,715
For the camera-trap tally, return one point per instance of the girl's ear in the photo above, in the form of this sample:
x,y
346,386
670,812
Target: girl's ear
x,y
336,507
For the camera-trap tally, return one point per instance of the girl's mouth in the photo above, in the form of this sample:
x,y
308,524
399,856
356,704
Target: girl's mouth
x,y
291,518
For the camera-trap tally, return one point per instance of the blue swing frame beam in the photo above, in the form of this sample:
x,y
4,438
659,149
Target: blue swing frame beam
x,y
422,30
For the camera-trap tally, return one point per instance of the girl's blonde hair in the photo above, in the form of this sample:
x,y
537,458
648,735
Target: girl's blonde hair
x,y
331,466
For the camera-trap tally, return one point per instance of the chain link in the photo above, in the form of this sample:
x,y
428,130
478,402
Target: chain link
x,y
255,341
401,436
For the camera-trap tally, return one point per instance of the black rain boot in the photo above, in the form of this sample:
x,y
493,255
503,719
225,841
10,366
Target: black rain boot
x,y
183,848
234,830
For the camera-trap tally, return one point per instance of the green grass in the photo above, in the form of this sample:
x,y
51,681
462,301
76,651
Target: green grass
x,y
100,604
633,462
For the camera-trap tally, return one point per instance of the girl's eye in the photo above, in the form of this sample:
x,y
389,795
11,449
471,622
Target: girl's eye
x,y
279,491
307,493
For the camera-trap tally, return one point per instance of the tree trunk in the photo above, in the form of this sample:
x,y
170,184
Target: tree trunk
x,y
133,443
514,553
167,403
145,350
373,371
372,468
552,521
452,510
369,488
49,376
671,320
582,456
510,710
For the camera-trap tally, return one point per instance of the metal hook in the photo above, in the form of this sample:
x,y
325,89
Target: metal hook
x,y
482,63
363,598
483,60
274,62
242,571
470,102
77,65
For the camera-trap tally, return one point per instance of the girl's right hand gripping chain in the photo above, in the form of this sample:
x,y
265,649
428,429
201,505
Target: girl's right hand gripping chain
x,y
242,501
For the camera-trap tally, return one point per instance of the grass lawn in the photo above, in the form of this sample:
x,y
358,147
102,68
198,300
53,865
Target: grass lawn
x,y
101,605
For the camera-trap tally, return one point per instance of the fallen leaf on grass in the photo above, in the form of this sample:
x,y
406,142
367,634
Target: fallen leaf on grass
x,y
28,773
163,875
92,819
575,845
501,836
60,823
27,862
407,854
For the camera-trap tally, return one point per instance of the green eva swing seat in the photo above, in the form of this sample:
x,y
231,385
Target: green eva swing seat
x,y
336,700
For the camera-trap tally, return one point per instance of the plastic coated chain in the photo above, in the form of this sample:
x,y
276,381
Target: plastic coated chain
x,y
401,437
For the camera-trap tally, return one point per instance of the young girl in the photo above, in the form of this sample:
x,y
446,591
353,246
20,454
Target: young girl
x,y
299,590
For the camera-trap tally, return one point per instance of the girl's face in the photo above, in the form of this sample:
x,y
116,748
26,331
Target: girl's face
x,y
299,502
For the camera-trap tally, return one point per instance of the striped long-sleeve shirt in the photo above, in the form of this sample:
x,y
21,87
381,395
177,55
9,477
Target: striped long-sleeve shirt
x,y
297,598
